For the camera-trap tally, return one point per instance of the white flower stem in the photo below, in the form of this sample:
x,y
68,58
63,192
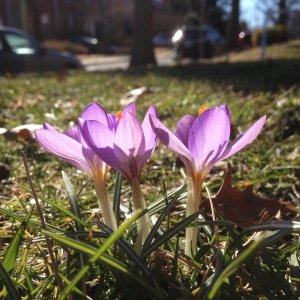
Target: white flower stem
x,y
105,204
193,203
144,221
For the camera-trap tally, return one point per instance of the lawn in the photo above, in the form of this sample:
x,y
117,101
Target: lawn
x,y
223,266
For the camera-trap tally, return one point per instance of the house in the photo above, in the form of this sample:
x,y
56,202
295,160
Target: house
x,y
64,18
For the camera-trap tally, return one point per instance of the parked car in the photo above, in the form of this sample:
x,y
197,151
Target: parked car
x,y
196,41
89,42
162,40
20,52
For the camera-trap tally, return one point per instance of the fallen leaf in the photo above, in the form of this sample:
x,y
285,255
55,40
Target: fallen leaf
x,y
25,132
243,207
133,95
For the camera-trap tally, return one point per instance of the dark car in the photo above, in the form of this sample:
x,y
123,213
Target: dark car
x,y
20,52
196,41
90,43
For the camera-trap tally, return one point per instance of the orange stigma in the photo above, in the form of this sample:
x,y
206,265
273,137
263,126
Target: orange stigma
x,y
202,109
119,115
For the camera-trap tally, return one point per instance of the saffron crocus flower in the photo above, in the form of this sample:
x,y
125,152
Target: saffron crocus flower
x,y
200,143
126,147
71,147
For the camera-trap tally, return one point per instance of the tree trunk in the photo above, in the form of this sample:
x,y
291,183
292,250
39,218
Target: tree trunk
x,y
283,16
142,52
234,25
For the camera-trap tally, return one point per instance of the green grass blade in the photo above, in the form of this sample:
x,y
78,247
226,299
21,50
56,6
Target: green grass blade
x,y
11,253
161,202
117,197
89,250
8,213
73,200
162,215
10,287
28,281
34,224
112,239
74,244
58,207
127,249
169,234
234,265
274,225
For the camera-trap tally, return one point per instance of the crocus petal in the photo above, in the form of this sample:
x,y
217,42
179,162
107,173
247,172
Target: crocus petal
x,y
209,136
62,146
95,111
245,138
150,136
168,138
129,145
100,139
72,132
183,128
112,120
129,135
131,108
48,126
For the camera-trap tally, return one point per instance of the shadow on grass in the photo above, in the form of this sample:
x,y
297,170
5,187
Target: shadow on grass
x,y
270,75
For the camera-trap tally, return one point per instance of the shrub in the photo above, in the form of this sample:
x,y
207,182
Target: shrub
x,y
275,34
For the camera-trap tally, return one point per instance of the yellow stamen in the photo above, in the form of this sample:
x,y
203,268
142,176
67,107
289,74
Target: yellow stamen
x,y
202,109
119,115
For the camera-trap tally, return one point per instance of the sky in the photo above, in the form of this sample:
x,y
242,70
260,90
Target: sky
x,y
251,13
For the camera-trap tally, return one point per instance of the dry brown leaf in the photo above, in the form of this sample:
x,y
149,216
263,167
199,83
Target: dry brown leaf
x,y
243,207
25,132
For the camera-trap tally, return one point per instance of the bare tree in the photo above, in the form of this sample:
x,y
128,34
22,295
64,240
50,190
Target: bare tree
x,y
277,11
283,14
142,52
234,25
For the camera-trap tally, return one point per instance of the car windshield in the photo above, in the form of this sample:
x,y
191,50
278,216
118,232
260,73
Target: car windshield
x,y
19,44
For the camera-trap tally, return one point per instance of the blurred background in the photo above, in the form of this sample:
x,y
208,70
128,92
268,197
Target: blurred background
x,y
189,28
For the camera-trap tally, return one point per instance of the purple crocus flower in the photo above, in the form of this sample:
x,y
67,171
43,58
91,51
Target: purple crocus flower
x,y
200,143
71,147
125,145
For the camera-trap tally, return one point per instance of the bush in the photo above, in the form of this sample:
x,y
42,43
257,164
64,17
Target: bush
x,y
275,34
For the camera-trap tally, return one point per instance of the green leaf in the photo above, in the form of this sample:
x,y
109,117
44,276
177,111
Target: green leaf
x,y
34,224
73,201
58,207
169,234
234,265
11,253
162,215
28,281
10,287
98,254
161,203
274,225
127,249
117,197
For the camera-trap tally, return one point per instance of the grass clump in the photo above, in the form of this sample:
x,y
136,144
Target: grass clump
x,y
260,261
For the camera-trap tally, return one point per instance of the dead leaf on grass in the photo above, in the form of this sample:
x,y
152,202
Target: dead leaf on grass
x,y
245,208
25,132
133,95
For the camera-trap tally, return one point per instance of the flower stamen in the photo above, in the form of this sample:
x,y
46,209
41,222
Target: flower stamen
x,y
119,115
202,109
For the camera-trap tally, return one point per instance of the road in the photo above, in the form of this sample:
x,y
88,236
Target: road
x,y
95,63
